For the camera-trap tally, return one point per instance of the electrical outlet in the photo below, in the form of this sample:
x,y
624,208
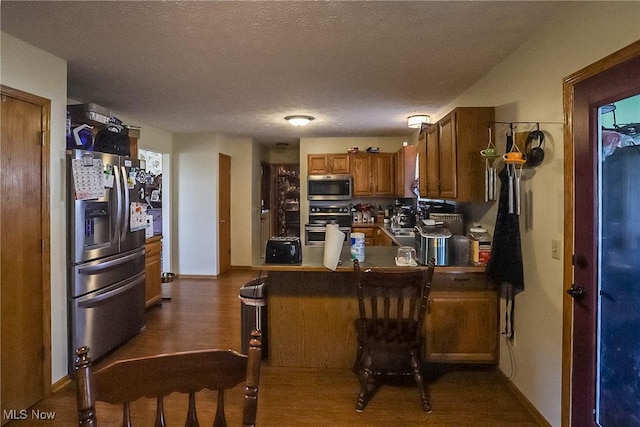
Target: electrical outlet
x,y
555,248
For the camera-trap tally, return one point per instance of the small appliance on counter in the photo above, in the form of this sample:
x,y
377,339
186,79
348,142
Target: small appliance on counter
x,y
432,241
453,221
283,250
405,217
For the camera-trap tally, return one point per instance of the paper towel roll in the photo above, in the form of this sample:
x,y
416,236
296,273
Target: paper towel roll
x,y
333,239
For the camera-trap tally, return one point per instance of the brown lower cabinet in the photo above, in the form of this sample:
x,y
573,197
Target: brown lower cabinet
x,y
369,235
153,270
382,238
461,326
373,235
462,318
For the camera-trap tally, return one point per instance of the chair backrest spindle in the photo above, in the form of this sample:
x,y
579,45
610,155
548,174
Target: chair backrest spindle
x,y
160,420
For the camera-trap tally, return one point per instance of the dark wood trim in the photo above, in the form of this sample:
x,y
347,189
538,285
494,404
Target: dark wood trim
x,y
45,104
630,52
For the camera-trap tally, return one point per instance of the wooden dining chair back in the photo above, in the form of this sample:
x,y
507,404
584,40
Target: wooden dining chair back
x,y
392,305
125,381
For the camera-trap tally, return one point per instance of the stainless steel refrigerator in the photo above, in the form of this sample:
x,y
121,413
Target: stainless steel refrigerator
x,y
106,217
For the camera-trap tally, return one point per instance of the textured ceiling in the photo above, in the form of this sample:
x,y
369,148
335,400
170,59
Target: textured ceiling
x,y
239,67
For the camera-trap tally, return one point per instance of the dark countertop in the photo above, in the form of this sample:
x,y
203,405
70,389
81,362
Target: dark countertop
x,y
375,257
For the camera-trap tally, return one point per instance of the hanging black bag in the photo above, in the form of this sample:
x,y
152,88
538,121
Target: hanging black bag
x,y
112,142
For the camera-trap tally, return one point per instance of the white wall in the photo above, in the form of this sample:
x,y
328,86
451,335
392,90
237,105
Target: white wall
x,y
527,86
196,200
278,155
35,71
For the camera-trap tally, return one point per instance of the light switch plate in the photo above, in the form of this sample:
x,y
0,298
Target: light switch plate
x,y
555,248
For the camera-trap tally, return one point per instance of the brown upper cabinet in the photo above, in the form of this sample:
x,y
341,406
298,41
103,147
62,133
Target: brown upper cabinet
x,y
133,147
321,164
450,164
405,165
373,174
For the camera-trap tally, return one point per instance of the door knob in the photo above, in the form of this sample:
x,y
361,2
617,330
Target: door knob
x,y
576,292
222,221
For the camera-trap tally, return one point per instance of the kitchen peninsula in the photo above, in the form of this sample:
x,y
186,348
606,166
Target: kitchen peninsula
x,y
312,312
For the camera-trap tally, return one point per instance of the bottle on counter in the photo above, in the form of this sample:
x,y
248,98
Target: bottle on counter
x,y
357,246
480,242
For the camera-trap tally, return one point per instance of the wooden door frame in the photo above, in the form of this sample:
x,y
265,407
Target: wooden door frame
x,y
617,58
220,207
45,105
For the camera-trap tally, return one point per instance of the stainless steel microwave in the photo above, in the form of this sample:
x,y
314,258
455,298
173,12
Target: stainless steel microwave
x,y
329,187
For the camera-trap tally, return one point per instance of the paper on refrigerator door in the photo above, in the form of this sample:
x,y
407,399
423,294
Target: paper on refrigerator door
x,y
333,239
88,178
137,216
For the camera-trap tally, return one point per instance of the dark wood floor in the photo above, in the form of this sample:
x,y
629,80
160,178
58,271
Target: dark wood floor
x,y
206,314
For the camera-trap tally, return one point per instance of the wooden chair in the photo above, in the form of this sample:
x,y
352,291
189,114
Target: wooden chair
x,y
392,305
124,381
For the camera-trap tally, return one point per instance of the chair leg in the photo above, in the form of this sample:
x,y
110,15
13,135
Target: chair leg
x,y
365,374
417,375
357,365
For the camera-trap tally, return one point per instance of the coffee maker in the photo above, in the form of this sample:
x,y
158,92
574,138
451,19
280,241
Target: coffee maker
x,y
404,217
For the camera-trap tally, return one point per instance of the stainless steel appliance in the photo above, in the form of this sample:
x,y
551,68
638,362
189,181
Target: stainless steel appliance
x,y
106,216
404,217
329,187
315,234
453,221
283,250
321,214
432,242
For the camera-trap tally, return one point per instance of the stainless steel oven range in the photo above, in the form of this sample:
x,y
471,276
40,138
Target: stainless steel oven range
x,y
322,214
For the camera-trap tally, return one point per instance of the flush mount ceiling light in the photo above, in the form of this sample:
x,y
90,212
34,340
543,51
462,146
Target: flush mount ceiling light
x,y
417,120
299,120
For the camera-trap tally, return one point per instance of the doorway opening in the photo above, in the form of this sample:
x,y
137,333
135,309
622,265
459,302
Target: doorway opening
x,y
158,198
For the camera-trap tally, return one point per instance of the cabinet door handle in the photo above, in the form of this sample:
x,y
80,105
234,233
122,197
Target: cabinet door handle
x,y
462,279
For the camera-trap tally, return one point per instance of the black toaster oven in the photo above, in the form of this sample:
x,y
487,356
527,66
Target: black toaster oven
x,y
283,250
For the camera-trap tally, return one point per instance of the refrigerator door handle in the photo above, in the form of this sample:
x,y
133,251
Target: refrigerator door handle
x,y
109,264
126,208
119,191
94,301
